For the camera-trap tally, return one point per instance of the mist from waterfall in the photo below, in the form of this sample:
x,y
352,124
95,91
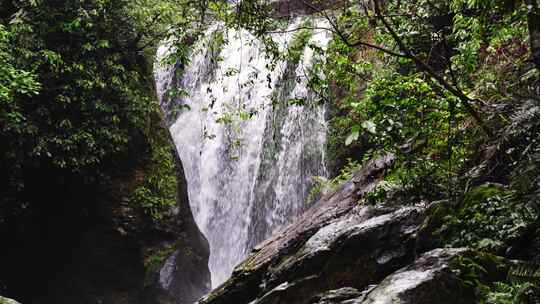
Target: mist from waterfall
x,y
249,158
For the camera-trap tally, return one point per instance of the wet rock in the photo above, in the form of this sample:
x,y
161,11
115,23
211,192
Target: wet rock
x,y
433,278
294,292
287,8
183,276
7,301
337,296
357,251
182,279
337,243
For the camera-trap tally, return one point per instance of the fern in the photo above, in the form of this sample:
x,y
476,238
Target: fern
x,y
524,131
525,272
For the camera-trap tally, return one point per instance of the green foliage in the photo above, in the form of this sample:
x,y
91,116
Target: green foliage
x,y
388,106
76,88
157,193
380,193
486,220
400,108
338,131
216,44
503,293
156,259
94,92
324,186
475,273
403,114
13,83
346,76
473,45
524,272
299,42
524,132
490,44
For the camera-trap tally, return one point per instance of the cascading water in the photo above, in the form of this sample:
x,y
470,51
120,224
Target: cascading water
x,y
249,158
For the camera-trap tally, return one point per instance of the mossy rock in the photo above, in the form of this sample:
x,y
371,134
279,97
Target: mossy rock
x,y
7,301
482,193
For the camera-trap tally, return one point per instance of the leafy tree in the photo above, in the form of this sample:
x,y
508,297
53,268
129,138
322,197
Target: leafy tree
x,y
76,85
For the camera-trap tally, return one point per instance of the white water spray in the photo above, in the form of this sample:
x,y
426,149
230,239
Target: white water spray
x,y
249,164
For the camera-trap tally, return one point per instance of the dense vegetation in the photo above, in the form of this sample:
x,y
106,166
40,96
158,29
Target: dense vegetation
x,y
450,87
77,88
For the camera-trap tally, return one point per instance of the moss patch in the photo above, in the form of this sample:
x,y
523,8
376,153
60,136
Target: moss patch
x,y
7,301
156,189
154,259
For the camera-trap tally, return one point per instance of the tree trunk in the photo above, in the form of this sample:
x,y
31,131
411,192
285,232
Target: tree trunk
x,y
533,19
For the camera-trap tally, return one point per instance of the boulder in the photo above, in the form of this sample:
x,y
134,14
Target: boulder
x,y
7,301
435,277
288,8
337,296
355,252
430,279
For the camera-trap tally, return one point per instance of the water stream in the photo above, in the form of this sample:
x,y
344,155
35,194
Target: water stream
x,y
249,159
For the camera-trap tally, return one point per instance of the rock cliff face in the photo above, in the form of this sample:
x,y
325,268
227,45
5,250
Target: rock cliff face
x,y
7,301
183,275
80,242
340,251
284,8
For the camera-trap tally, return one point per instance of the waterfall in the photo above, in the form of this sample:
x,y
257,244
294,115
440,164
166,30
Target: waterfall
x,y
249,158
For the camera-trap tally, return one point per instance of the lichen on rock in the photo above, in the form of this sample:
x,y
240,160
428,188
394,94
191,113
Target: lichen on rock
x,y
7,301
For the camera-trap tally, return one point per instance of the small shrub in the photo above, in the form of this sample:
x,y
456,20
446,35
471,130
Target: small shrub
x,y
487,220
324,186
157,193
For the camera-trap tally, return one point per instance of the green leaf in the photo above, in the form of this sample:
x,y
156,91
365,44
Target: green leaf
x,y
370,126
355,133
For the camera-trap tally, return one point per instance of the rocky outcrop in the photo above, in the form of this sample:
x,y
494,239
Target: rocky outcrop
x,y
431,279
286,8
7,301
304,251
342,295
183,276
435,277
341,251
356,251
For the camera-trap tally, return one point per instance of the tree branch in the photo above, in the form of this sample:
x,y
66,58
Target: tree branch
x,y
336,30
423,67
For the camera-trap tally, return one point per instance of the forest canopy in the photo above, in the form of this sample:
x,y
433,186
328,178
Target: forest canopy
x,y
76,85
